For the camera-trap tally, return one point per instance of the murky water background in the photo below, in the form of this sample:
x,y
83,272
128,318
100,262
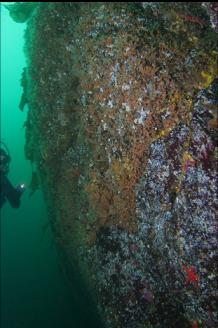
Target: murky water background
x,y
33,291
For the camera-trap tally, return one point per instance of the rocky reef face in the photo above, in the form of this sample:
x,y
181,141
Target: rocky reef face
x,y
122,129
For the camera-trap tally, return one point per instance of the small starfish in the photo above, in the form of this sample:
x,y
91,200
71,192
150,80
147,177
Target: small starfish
x,y
195,325
192,277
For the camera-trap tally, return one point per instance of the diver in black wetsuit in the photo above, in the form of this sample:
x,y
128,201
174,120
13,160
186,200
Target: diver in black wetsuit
x,y
7,191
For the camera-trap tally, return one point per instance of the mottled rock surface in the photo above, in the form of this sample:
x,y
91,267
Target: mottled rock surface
x,y
122,129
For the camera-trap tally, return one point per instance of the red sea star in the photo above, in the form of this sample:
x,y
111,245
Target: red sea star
x,y
192,277
195,325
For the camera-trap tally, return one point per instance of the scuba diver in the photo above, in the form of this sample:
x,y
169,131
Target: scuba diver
x,y
7,191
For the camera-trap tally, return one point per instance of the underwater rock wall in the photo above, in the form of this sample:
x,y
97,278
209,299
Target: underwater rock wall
x,y
122,129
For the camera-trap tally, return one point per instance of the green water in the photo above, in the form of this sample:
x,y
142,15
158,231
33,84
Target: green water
x,y
33,290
